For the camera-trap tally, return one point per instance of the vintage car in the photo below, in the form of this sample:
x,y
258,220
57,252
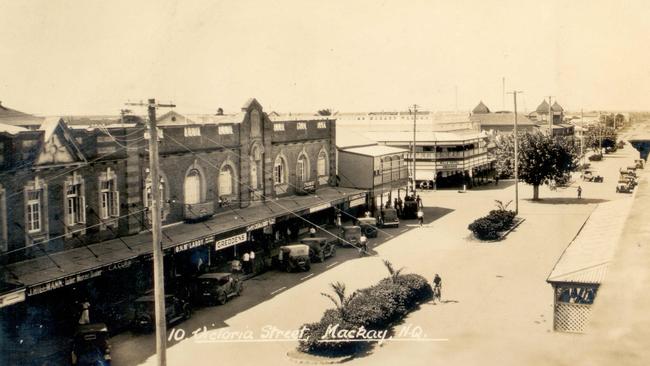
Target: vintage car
x,y
368,226
90,346
294,257
176,309
624,188
210,288
389,218
410,209
587,175
350,235
319,248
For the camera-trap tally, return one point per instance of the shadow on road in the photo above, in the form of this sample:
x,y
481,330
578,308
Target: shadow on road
x,y
566,201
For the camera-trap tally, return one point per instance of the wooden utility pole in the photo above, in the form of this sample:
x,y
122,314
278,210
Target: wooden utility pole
x,y
550,116
514,94
156,232
415,117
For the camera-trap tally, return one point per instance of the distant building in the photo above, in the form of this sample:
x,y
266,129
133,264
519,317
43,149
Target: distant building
x,y
541,114
403,121
500,122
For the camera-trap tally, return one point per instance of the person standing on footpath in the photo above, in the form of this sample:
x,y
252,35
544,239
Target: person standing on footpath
x,y
579,192
420,216
246,259
252,261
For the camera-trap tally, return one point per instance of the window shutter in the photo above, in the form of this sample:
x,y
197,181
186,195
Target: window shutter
x,y
115,204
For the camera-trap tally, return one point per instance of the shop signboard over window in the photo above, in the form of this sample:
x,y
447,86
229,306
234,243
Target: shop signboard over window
x,y
194,244
227,242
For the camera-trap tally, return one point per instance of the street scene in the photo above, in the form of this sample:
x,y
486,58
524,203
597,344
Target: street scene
x,y
340,183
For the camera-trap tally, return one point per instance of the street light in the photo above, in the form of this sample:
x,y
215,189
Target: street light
x,y
514,94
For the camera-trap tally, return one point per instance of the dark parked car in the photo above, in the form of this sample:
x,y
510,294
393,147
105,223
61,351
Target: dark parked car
x,y
176,309
350,235
319,248
390,218
410,210
90,346
210,288
368,226
294,257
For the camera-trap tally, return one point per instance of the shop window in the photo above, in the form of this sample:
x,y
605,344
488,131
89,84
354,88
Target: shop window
x,y
226,181
192,187
34,207
109,196
322,164
192,131
225,130
280,171
75,200
302,168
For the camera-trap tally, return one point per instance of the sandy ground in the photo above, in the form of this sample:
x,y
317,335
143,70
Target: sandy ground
x,y
497,307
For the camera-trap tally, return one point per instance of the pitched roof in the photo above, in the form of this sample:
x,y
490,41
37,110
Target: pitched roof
x,y
556,107
542,108
587,258
16,118
480,108
173,118
503,118
376,150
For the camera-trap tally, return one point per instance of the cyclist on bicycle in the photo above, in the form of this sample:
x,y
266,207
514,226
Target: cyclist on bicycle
x,y
437,287
363,244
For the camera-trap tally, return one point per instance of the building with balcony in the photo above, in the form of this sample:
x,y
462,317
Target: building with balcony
x,y
444,159
379,169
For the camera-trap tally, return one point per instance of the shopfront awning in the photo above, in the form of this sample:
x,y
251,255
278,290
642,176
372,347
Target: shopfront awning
x,y
43,274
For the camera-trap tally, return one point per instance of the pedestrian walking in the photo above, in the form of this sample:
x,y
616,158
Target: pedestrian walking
x,y
496,181
579,192
252,261
312,232
363,244
420,216
246,258
418,200
85,313
437,288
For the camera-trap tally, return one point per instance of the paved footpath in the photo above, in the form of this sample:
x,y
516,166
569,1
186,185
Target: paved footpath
x,y
497,305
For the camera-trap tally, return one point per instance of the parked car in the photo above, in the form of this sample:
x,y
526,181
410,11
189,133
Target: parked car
x,y
176,309
294,257
588,175
368,226
598,179
624,188
90,346
350,235
410,209
210,288
390,218
319,248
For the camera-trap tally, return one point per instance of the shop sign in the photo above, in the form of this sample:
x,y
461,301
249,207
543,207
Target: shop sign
x,y
358,202
194,244
261,224
320,207
120,265
62,282
225,243
12,298
309,186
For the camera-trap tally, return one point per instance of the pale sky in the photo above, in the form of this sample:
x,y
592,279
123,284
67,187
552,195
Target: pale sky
x,y
89,57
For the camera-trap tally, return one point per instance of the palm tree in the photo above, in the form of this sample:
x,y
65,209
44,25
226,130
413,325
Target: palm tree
x,y
341,300
394,273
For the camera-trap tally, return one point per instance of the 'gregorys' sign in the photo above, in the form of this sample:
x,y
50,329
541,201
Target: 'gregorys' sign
x,y
53,285
194,243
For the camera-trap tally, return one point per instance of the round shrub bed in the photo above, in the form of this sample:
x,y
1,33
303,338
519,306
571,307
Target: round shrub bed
x,y
491,226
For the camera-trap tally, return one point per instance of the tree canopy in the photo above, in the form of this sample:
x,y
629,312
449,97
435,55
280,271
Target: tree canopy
x,y
544,158
595,134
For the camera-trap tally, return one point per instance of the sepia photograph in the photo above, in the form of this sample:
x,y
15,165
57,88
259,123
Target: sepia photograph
x,y
284,182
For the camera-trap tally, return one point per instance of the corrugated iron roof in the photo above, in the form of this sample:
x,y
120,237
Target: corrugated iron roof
x,y
587,258
424,136
505,118
10,129
376,150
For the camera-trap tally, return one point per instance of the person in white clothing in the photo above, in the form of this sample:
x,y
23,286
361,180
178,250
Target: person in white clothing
x,y
85,313
246,259
252,261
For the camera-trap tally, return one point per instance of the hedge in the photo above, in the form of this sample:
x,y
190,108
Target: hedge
x,y
375,308
489,227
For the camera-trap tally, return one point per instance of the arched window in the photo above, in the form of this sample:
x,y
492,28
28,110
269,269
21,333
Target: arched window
x,y
322,164
302,168
226,186
193,187
280,170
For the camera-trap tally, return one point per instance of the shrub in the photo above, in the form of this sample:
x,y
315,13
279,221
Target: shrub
x,y
488,227
375,307
596,157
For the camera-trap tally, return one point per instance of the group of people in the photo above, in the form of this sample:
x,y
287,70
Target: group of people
x,y
246,265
